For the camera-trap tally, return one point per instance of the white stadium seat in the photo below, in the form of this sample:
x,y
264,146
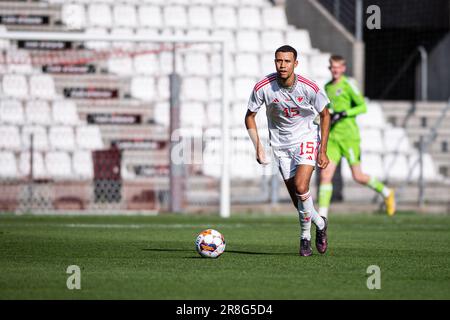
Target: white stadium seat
x,y
100,15
11,112
238,111
271,40
4,43
58,165
247,64
42,87
396,140
175,17
274,18
38,112
243,88
225,17
38,165
194,89
429,168
319,64
125,16
8,165
96,45
18,61
62,138
143,88
166,60
196,64
200,17
214,113
371,141
228,36
9,138
144,47
89,138
248,41
198,47
300,40
163,88
373,118
161,113
73,16
40,139
150,16
123,32
65,112
15,85
146,64
396,167
121,65
249,18
268,64
193,115
83,165
255,3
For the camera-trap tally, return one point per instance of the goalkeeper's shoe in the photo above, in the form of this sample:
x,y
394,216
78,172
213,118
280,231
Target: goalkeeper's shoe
x,y
321,238
305,247
390,203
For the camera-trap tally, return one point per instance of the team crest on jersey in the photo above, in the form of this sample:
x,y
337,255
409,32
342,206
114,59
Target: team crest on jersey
x,y
338,92
299,99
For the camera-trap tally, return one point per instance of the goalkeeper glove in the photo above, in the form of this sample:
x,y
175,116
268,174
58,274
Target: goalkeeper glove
x,y
335,117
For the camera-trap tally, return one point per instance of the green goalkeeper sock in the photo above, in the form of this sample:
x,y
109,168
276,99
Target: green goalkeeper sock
x,y
378,186
325,193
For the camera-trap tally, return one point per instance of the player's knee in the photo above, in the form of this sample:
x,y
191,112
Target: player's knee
x,y
301,188
359,178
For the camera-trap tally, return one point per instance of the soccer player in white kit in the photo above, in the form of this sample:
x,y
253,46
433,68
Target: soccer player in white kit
x,y
292,103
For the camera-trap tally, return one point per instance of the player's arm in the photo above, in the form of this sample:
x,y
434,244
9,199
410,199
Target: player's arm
x,y
324,130
358,101
250,123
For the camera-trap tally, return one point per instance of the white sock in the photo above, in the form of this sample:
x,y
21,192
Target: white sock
x,y
308,213
323,212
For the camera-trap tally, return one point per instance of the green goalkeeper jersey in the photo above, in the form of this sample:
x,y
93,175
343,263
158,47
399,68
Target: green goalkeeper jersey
x,y
345,96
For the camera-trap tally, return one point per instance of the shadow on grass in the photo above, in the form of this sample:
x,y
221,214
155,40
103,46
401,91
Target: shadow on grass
x,y
227,251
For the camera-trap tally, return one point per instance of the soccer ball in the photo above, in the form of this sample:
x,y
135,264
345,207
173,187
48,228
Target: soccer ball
x,y
210,243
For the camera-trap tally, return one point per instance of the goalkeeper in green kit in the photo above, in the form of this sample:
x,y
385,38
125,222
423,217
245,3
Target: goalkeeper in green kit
x,y
344,139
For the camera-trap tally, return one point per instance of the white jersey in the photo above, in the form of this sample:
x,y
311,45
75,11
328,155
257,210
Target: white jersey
x,y
290,112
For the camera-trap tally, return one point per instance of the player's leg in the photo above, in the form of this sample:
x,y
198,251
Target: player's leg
x,y
326,177
376,185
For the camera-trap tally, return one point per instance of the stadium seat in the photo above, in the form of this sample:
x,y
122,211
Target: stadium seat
x,y
429,168
193,115
271,40
163,88
161,113
166,63
228,36
194,89
15,86
123,45
198,47
4,44
8,165
371,141
373,118
255,3
18,61
225,18
100,15
121,65
73,16
175,17
83,165
62,138
196,64
248,41
150,16
268,64
300,40
58,165
200,17
216,64
11,112
37,112
65,112
143,88
42,87
9,138
243,88
146,64
39,170
214,114
125,16
215,88
96,45
238,111
319,65
396,167
89,138
249,18
396,140
40,139
247,64
147,47
274,18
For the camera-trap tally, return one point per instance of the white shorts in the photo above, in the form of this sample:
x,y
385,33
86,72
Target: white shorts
x,y
289,158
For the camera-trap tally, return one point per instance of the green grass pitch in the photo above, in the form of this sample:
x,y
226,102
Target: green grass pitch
x,y
137,257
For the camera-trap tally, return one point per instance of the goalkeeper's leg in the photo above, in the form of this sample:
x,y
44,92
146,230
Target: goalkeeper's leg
x,y
326,188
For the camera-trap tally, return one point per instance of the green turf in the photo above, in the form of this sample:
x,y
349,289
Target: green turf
x,y
154,258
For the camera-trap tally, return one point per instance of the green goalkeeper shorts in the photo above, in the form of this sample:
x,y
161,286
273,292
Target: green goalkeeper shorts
x,y
344,148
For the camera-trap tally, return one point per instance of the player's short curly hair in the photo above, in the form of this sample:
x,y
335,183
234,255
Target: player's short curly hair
x,y
287,48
